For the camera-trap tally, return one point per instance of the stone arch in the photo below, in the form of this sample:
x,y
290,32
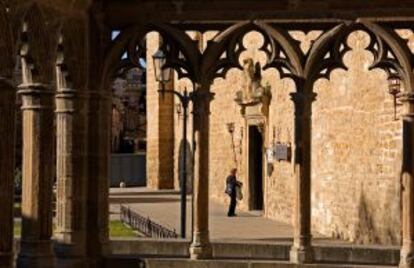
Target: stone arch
x,y
70,55
37,38
283,52
328,51
176,43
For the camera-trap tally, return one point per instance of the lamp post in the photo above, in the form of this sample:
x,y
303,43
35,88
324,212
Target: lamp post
x,y
394,88
163,75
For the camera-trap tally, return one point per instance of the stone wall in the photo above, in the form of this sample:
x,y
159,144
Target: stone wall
x,y
356,144
278,188
160,130
355,147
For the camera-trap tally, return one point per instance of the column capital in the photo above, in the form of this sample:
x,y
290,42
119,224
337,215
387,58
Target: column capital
x,y
302,102
201,103
67,93
200,96
302,96
36,96
34,89
67,99
407,98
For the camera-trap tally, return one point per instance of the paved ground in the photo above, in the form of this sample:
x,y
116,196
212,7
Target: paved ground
x,y
163,207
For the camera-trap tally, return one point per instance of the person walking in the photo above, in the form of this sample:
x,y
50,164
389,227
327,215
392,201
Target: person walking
x,y
231,184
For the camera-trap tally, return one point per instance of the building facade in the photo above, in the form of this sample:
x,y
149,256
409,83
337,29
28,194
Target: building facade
x,y
350,173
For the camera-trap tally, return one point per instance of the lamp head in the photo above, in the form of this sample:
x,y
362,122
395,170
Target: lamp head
x,y
162,74
394,84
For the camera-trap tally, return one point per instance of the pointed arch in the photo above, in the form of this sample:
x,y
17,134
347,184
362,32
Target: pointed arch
x,y
398,48
182,51
229,41
71,53
37,41
327,52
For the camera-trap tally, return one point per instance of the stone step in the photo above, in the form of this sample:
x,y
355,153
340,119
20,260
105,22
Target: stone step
x,y
177,263
176,248
186,263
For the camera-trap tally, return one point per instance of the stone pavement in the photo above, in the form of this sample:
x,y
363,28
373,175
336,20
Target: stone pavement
x,y
163,207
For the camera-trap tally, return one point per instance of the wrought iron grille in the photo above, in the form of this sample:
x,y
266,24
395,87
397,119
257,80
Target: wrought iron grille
x,y
145,225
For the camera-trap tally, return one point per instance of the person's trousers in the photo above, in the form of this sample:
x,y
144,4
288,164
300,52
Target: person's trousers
x,y
233,202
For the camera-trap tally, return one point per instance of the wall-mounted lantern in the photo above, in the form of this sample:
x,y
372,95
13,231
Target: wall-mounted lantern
x,y
162,74
230,127
394,88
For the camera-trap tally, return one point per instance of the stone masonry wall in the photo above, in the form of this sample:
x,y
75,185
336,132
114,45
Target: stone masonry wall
x,y
160,130
278,188
356,145
356,148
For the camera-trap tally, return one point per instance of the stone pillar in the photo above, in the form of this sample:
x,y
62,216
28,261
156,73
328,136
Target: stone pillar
x,y
301,251
99,146
7,159
407,173
38,134
71,178
200,247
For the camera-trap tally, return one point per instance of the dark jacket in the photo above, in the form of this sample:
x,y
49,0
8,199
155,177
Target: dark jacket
x,y
231,183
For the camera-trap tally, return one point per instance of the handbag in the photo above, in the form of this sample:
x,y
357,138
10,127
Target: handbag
x,y
239,193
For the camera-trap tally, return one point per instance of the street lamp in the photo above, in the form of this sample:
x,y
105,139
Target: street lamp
x,y
163,75
394,88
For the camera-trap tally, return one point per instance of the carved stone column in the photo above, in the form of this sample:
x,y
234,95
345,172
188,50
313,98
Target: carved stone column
x,y
7,159
71,178
38,134
301,251
98,177
407,173
200,247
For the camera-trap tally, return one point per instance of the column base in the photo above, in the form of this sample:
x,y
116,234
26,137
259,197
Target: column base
x,y
200,247
96,257
300,255
72,263
37,254
6,259
406,258
70,256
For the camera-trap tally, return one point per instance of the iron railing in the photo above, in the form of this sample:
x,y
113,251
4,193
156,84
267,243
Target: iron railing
x,y
145,225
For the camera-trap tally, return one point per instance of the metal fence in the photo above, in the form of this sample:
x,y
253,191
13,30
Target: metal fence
x,y
145,225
